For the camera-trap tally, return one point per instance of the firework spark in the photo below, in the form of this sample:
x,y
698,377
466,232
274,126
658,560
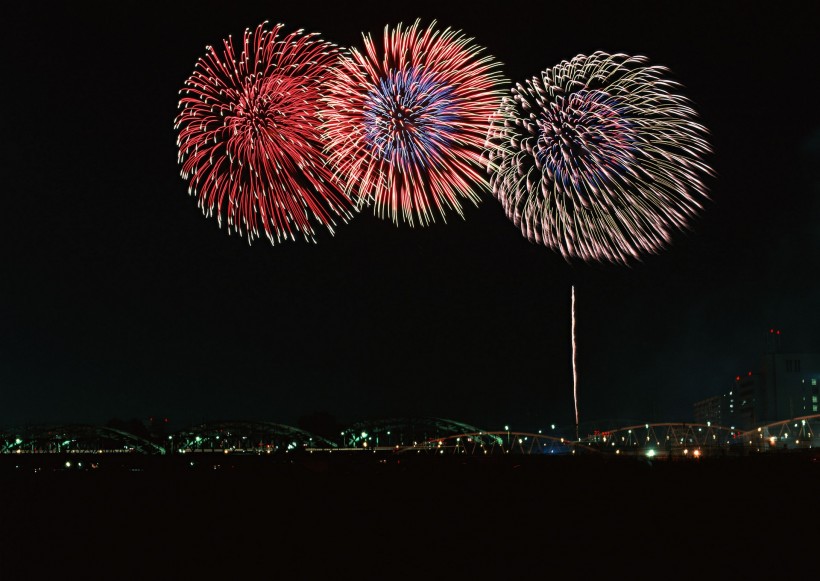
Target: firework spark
x,y
405,123
249,139
598,158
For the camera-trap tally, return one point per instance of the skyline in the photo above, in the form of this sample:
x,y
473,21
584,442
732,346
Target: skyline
x,y
122,300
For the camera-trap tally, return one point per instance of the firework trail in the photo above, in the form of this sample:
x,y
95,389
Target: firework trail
x,y
574,365
249,139
598,158
405,123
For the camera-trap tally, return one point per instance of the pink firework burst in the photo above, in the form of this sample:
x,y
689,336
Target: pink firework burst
x,y
405,123
249,139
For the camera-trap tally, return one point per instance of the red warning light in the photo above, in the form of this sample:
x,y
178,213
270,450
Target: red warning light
x,y
778,331
737,378
771,330
750,374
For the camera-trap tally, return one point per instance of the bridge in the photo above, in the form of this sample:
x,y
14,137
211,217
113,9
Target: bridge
x,y
426,435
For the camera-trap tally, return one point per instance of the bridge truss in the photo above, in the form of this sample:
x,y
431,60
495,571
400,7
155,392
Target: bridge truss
x,y
76,438
246,437
401,432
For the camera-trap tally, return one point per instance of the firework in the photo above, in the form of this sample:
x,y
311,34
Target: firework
x,y
406,123
598,158
249,139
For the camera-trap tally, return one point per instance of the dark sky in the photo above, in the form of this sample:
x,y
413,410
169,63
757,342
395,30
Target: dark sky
x,y
119,299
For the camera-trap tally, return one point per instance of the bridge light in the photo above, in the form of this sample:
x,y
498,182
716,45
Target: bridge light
x,y
650,453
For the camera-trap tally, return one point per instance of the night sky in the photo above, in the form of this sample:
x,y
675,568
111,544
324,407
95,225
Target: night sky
x,y
119,299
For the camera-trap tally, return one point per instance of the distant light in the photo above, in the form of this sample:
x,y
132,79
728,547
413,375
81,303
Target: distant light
x,y
364,434
18,441
778,331
737,378
696,453
650,453
552,426
507,428
68,464
198,439
750,374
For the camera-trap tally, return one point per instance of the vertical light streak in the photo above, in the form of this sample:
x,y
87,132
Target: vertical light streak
x,y
574,365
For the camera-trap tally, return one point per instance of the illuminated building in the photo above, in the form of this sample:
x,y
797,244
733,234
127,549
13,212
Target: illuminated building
x,y
787,386
710,410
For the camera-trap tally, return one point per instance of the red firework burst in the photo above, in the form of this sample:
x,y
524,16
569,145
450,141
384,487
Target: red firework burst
x,y
405,124
249,139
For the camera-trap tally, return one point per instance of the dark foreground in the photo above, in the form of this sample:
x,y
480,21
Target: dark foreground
x,y
383,517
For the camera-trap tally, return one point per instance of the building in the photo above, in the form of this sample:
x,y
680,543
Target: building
x,y
710,410
787,386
